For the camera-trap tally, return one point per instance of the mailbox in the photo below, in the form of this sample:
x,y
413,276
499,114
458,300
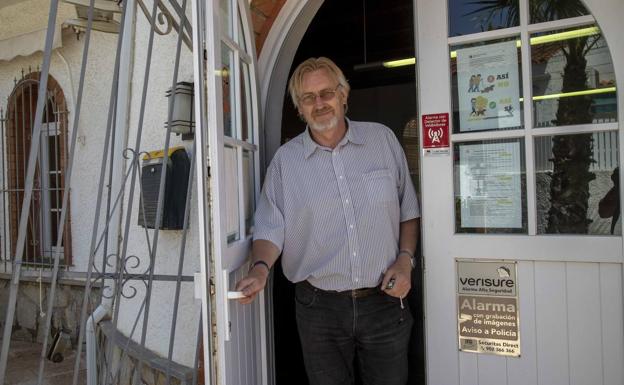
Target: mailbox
x,y
176,186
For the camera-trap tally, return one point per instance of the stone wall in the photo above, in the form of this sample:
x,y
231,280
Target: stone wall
x,y
32,303
128,357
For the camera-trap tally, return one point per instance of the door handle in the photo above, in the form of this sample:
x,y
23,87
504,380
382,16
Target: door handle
x,y
229,295
235,295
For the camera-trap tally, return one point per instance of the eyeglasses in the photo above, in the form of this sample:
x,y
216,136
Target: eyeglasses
x,y
326,95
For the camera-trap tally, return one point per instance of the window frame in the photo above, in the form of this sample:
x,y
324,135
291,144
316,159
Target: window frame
x,y
59,124
529,132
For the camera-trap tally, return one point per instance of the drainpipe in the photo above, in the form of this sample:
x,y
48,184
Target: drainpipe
x,y
120,140
100,312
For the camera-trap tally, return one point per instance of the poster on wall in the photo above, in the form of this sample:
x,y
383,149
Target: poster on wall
x,y
488,87
487,307
490,185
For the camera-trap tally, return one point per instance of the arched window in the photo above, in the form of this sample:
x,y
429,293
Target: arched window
x,y
49,183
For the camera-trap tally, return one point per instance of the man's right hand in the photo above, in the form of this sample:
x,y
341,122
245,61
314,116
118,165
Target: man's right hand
x,y
253,283
256,279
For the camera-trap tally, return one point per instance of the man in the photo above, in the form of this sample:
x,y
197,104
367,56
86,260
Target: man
x,y
339,205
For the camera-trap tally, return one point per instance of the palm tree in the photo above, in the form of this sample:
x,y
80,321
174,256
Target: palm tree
x,y
507,12
572,154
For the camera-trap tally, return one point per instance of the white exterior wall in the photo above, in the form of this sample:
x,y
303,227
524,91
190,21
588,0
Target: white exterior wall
x,y
65,68
153,138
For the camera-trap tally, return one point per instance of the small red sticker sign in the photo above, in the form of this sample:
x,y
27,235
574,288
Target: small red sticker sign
x,y
435,130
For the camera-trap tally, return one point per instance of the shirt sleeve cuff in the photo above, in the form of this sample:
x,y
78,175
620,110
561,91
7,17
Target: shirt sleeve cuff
x,y
273,238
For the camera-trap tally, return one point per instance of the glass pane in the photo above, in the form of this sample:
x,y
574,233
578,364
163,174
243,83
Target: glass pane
x,y
573,78
471,16
225,7
246,111
54,171
54,151
229,102
231,194
248,188
241,35
550,10
577,184
486,81
490,185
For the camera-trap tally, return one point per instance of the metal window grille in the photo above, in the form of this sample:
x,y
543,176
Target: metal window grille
x,y
44,214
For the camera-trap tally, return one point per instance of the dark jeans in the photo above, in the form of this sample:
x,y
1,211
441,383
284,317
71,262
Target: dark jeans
x,y
336,329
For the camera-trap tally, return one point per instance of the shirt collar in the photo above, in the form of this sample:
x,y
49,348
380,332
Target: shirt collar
x,y
352,135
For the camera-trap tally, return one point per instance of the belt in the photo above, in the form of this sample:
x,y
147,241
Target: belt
x,y
354,293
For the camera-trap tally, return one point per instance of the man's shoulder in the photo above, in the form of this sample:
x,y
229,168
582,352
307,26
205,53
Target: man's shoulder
x,y
293,145
291,148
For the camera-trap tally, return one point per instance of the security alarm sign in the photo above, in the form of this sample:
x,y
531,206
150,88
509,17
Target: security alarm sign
x,y
436,134
487,307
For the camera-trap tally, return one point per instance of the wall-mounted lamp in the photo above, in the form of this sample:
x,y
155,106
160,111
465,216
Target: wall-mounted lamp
x,y
183,116
103,15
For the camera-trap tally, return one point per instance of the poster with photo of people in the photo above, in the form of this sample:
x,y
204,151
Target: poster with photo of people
x,y
488,87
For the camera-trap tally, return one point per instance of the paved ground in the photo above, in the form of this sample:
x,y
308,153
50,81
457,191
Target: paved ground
x,y
23,366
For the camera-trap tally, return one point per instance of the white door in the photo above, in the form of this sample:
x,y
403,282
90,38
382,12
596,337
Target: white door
x,y
502,191
227,147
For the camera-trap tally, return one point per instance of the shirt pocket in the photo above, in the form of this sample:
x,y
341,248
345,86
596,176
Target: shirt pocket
x,y
380,186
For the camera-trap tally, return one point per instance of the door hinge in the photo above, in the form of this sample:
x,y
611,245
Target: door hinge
x,y
213,289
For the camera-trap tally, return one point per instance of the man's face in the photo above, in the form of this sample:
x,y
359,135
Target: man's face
x,y
321,101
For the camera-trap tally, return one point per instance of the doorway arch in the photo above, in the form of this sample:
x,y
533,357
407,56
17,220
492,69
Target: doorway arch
x,y
274,64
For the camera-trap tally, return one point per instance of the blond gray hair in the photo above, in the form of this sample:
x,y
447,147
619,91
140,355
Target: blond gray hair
x,y
310,65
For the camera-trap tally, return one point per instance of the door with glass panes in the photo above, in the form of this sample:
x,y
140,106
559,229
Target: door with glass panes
x,y
528,191
227,138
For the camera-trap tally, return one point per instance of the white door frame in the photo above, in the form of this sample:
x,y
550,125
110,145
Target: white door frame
x,y
234,335
274,65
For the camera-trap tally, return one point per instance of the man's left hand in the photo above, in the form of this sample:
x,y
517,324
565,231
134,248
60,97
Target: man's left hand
x,y
401,272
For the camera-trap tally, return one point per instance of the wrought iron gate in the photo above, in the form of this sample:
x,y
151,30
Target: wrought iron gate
x,y
129,279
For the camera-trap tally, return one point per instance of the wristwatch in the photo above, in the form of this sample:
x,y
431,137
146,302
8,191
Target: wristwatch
x,y
411,256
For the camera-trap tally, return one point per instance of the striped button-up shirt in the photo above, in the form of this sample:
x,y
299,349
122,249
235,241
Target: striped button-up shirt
x,y
335,213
